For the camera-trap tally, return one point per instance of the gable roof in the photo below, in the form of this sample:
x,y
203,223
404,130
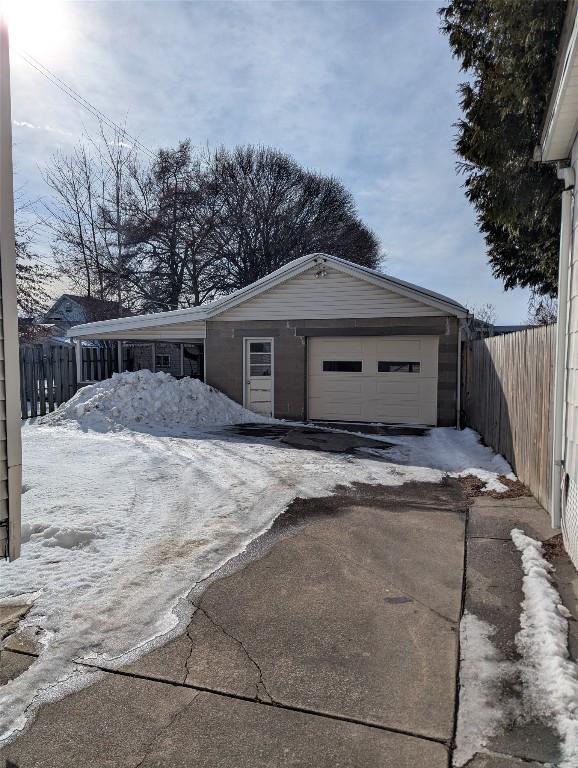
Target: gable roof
x,y
94,309
292,269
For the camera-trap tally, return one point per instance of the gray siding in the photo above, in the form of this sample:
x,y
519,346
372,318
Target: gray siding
x,y
224,355
224,362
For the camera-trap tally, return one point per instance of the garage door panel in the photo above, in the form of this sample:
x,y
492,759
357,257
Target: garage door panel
x,y
342,412
319,385
398,387
340,347
402,414
395,396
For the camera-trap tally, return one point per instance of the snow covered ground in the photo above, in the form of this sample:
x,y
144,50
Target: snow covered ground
x,y
541,684
483,709
132,495
549,676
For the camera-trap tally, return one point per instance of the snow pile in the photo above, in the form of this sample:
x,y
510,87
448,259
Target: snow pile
x,y
549,676
153,401
482,674
457,453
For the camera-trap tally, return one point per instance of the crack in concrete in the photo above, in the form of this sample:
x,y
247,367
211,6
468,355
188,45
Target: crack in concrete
x,y
166,727
458,661
260,684
190,654
262,702
491,538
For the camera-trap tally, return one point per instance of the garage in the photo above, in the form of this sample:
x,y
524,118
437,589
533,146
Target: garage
x,y
319,338
382,379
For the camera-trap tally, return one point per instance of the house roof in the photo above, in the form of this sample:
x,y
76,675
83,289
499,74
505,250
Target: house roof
x,y
561,122
292,269
96,309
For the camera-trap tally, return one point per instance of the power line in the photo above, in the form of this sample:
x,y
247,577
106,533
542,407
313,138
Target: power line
x,y
84,103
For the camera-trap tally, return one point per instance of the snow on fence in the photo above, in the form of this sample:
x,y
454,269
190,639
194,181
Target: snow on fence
x,y
508,392
48,374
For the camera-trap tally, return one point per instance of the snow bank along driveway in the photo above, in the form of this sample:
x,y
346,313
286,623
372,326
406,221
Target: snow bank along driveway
x,y
132,495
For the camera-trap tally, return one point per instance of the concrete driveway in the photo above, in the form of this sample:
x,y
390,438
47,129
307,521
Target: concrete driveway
x,y
333,641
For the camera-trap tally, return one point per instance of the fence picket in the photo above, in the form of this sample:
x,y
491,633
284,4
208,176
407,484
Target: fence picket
x,y
39,352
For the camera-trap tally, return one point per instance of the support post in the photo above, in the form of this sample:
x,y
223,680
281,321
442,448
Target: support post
x,y
78,351
459,387
182,360
119,355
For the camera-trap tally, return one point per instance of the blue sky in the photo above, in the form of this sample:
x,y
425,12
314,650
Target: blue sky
x,y
365,91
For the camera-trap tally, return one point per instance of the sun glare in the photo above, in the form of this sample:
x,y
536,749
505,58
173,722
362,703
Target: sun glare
x,y
35,26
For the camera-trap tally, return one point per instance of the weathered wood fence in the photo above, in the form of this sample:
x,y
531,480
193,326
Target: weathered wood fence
x,y
47,378
99,363
507,396
48,374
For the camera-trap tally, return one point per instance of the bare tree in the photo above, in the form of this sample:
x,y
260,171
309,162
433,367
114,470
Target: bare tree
x,y
191,225
482,319
33,275
86,214
169,232
274,211
542,310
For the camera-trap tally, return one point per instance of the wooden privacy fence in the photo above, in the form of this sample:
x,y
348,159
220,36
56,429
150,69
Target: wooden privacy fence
x,y
508,392
47,378
99,363
48,374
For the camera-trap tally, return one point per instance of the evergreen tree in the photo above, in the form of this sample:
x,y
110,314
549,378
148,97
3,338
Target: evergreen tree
x,y
508,50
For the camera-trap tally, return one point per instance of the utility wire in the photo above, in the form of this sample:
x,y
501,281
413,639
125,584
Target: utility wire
x,y
84,103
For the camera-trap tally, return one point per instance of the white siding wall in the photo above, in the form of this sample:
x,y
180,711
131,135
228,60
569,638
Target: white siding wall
x,y
3,449
572,356
570,510
185,331
10,451
334,296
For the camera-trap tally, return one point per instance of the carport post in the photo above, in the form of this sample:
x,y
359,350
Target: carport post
x,y
78,355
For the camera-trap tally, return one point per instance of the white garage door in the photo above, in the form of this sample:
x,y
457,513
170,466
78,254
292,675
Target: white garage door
x,y
373,378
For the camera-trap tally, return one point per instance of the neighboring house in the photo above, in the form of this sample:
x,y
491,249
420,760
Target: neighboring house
x,y
502,330
481,329
559,142
71,310
320,338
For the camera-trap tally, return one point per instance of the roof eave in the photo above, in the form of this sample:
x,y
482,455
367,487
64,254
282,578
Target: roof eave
x,y
558,135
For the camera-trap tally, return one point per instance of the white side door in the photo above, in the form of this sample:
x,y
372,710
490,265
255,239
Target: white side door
x,y
258,368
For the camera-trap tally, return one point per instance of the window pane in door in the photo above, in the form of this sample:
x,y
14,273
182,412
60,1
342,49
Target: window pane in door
x,y
260,370
264,358
260,346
